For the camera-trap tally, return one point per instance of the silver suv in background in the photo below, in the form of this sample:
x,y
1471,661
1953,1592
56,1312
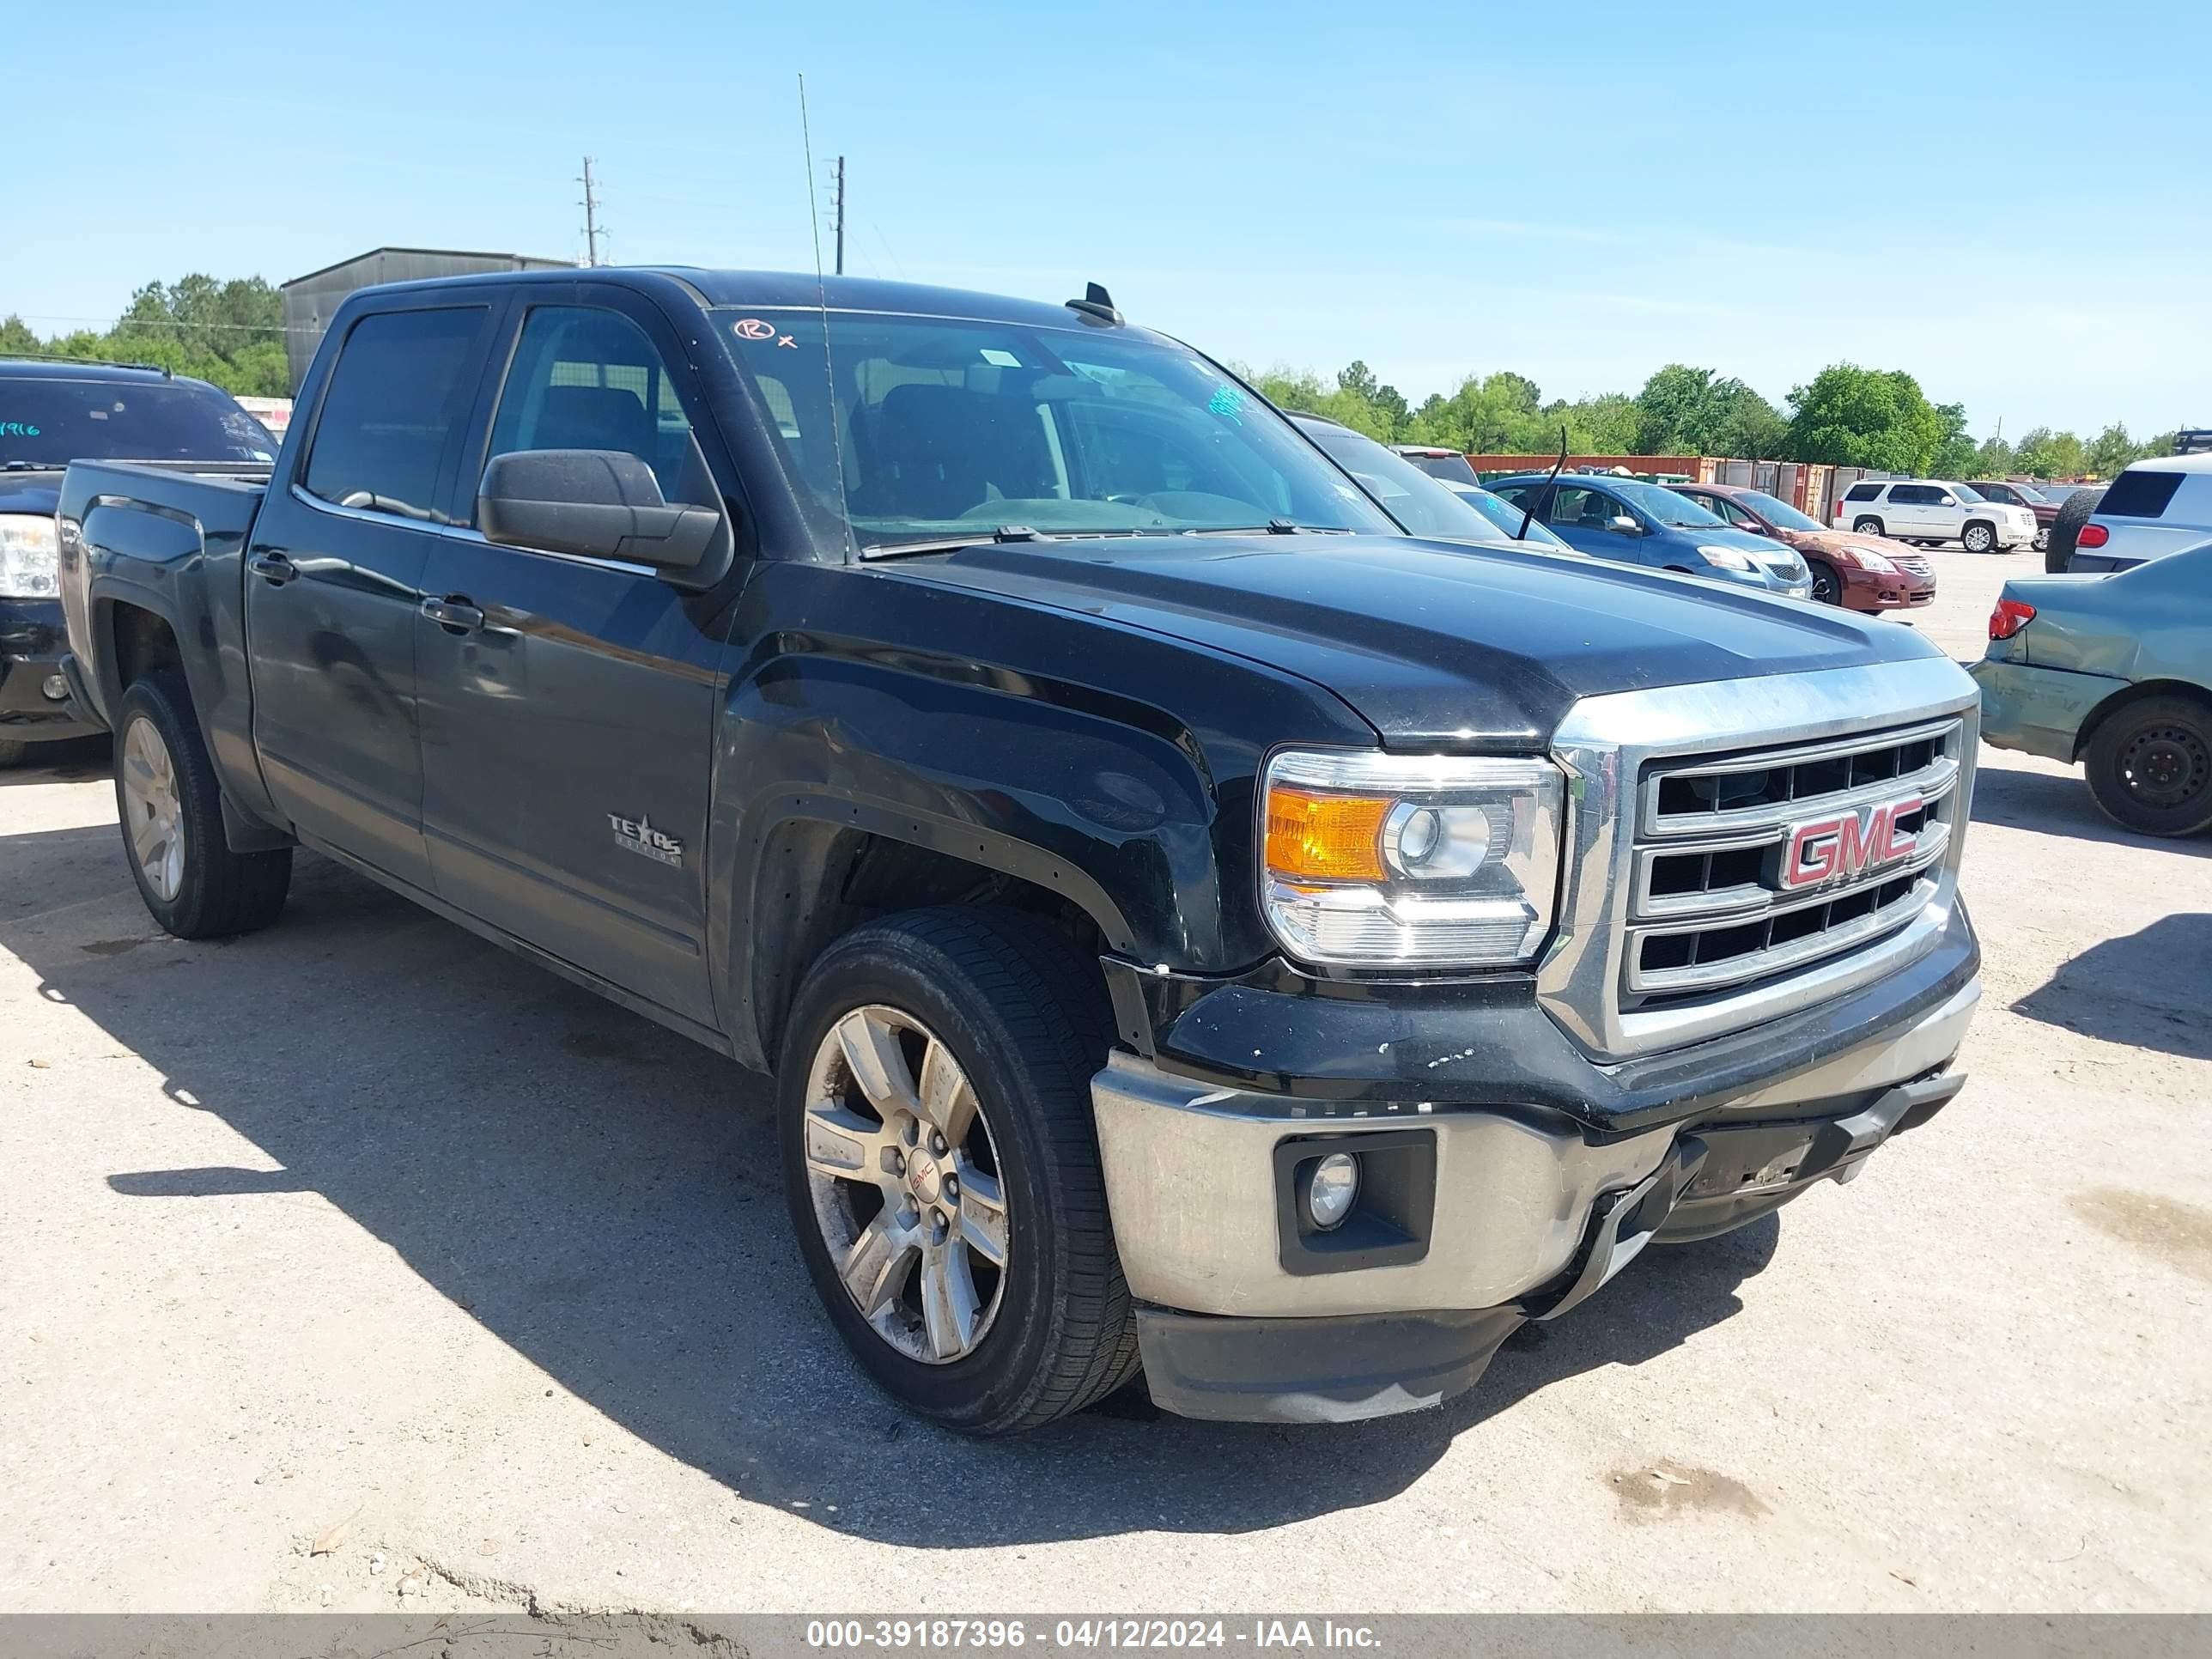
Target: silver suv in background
x,y
2152,508
1934,510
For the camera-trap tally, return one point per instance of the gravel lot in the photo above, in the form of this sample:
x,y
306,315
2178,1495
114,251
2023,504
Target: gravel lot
x,y
360,1264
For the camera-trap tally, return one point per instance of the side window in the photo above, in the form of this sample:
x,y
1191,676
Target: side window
x,y
1915,494
1864,492
394,399
584,378
1586,509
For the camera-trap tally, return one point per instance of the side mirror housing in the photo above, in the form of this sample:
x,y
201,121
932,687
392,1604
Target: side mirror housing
x,y
600,503
1621,525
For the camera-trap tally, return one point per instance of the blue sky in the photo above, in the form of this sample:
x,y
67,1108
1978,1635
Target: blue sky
x,y
2011,201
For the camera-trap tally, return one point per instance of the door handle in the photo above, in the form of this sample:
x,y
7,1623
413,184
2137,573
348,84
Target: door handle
x,y
272,566
454,614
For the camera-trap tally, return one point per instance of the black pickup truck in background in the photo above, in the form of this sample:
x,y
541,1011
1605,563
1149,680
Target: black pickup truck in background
x,y
1191,923
51,412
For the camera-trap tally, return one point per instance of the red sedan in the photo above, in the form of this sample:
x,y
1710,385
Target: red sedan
x,y
1860,573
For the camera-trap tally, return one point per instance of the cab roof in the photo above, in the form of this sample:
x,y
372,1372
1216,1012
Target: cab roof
x,y
784,290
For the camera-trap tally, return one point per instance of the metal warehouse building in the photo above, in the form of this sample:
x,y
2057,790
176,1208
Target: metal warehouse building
x,y
311,300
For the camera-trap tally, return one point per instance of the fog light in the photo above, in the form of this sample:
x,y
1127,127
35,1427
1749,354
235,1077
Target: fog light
x,y
56,688
1331,1191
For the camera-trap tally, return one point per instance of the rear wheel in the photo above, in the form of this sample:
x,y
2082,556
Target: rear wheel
x,y
171,809
1867,526
941,1166
2073,512
2150,766
1828,586
1978,538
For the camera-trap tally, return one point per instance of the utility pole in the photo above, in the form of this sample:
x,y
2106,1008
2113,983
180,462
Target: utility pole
x,y
840,216
591,205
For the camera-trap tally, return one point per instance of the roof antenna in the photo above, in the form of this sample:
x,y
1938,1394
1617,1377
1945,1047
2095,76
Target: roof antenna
x,y
1550,484
822,298
1096,302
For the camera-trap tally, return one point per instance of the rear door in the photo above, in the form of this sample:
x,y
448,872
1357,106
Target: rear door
x,y
1911,510
334,581
569,728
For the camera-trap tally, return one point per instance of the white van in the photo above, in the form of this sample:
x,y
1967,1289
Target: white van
x,y
1934,510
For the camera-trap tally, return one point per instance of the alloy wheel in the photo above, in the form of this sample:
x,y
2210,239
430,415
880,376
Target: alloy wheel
x,y
904,1177
153,809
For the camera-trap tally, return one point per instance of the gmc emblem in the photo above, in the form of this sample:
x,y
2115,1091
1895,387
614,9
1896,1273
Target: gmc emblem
x,y
1851,844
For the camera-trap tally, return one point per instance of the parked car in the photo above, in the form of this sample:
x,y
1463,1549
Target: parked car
x,y
1423,505
1934,510
1190,922
1513,520
1447,465
2152,508
1858,572
2042,500
2115,674
51,412
1632,522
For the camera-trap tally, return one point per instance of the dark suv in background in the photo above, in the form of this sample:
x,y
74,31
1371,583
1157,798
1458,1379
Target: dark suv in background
x,y
51,414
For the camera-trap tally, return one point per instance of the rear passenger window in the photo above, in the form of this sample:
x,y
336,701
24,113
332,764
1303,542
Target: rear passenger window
x,y
394,399
588,378
1864,492
2139,494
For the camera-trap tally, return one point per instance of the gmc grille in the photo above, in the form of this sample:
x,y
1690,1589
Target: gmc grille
x,y
1712,907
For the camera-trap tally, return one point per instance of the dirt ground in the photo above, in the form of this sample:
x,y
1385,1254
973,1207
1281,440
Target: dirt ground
x,y
360,1264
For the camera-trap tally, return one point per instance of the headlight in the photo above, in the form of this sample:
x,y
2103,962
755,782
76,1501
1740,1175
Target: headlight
x,y
1375,861
28,557
1727,558
1875,561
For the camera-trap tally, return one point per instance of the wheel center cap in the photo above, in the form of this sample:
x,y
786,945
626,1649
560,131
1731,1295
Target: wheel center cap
x,y
924,1176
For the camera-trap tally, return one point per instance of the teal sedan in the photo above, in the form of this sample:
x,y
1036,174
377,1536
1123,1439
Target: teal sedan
x,y
2115,673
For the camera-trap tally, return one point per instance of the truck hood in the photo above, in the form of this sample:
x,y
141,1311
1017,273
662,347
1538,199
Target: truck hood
x,y
1434,643
30,492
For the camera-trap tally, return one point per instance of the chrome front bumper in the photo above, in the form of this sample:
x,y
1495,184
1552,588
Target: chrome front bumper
x,y
1194,1185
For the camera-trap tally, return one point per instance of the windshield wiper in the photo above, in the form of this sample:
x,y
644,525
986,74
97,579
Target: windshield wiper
x,y
1273,528
1005,532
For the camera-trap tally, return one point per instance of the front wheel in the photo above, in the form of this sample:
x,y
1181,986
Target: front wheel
x,y
2150,766
1867,526
941,1166
1978,538
171,809
1828,586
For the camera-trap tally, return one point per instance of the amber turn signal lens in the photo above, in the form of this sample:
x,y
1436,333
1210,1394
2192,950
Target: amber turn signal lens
x,y
1315,837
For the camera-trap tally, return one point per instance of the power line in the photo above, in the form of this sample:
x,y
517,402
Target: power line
x,y
590,206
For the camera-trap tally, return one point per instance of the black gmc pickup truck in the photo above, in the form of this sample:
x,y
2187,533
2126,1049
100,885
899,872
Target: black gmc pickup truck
x,y
1192,924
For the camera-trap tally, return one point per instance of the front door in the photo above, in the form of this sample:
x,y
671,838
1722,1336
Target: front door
x,y
334,580
1584,518
569,728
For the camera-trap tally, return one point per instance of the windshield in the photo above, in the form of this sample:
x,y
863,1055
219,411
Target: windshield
x,y
50,423
1451,467
919,429
1663,504
1777,512
1967,493
1503,513
1409,495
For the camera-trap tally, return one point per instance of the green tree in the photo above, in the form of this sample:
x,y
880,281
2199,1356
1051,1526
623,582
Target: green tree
x,y
2111,450
1955,450
2044,454
229,333
1993,458
1876,418
1692,412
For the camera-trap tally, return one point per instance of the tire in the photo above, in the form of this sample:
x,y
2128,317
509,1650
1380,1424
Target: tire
x,y
1867,525
2042,542
171,810
1022,1017
1979,536
12,751
2073,512
2150,765
1827,585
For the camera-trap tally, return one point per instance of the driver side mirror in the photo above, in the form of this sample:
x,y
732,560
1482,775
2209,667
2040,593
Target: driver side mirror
x,y
600,503
1621,525
1946,501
